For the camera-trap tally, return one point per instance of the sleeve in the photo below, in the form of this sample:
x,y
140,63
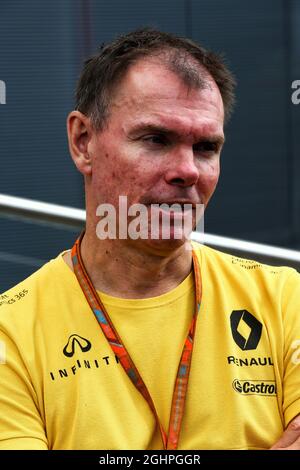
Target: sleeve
x,y
291,359
21,425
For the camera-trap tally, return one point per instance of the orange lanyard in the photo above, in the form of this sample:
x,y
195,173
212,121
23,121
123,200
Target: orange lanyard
x,y
170,440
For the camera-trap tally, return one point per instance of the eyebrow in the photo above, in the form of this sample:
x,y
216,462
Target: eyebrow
x,y
157,128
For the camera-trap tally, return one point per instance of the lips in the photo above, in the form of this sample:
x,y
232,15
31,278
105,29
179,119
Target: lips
x,y
176,203
173,208
173,211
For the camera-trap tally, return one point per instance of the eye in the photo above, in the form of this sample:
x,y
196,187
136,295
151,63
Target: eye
x,y
156,139
206,147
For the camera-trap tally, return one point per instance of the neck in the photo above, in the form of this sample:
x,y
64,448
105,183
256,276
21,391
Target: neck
x,y
127,270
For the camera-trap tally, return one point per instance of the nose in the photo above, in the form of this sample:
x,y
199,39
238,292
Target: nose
x,y
181,169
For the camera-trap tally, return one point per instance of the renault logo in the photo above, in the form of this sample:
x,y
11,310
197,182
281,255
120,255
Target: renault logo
x,y
237,318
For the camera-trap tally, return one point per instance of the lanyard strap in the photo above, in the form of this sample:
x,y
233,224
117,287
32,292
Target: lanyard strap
x,y
170,441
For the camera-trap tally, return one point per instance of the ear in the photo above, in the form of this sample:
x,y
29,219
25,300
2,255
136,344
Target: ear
x,y
79,135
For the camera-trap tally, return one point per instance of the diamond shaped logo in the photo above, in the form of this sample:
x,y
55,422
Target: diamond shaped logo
x,y
241,321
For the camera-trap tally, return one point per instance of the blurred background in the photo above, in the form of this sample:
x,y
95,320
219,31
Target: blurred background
x,y
42,48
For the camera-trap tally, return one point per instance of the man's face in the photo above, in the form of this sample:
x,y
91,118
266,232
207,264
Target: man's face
x,y
163,141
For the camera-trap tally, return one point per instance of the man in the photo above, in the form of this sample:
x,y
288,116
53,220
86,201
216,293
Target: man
x,y
140,342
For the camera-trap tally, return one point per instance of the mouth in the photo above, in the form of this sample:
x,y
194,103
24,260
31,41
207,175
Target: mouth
x,y
173,210
174,205
177,211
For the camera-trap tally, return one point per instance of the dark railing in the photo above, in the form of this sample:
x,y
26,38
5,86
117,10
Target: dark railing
x,y
69,217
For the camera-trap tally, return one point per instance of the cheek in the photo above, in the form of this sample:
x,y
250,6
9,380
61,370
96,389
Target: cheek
x,y
209,176
115,174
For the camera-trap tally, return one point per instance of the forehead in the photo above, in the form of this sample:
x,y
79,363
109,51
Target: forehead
x,y
151,92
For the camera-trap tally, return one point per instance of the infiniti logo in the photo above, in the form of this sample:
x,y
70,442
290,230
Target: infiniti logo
x,y
237,318
76,341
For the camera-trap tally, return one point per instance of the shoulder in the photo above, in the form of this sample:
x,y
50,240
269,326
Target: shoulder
x,y
231,268
22,301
